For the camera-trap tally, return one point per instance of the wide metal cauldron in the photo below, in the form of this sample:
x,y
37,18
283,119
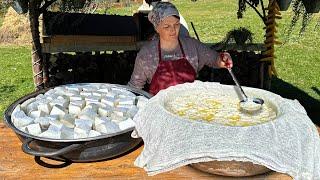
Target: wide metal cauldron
x,y
76,150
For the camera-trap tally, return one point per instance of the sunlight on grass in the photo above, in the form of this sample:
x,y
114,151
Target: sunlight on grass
x,y
16,75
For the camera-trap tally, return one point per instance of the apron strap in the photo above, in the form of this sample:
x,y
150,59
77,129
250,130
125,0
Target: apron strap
x,y
159,50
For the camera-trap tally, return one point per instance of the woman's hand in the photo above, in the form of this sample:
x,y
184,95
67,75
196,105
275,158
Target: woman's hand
x,y
224,60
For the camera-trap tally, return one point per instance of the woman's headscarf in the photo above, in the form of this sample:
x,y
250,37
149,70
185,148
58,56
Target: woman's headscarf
x,y
161,11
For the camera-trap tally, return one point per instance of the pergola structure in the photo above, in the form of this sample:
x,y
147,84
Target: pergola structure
x,y
268,14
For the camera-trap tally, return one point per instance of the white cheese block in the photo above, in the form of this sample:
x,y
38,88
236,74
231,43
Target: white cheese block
x,y
104,112
43,101
67,124
24,129
34,129
126,101
39,97
53,117
104,90
61,102
117,90
45,108
100,120
94,133
60,93
51,97
97,94
99,104
74,109
129,123
107,128
20,119
88,113
43,121
76,98
60,89
67,133
83,123
63,97
50,92
73,88
78,103
92,106
58,110
80,133
52,133
16,109
32,107
120,111
105,86
85,94
72,93
56,123
37,114
68,121
89,88
92,98
111,94
108,101
117,118
26,103
127,107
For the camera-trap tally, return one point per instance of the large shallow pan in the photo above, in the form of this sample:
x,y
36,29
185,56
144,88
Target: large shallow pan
x,y
76,150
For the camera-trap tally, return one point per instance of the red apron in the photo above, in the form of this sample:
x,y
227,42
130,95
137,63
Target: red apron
x,y
171,72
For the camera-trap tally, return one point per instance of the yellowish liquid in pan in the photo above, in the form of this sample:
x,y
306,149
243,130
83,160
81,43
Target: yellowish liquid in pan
x,y
222,109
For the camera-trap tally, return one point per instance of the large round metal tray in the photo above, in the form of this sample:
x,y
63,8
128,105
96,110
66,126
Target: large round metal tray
x,y
76,150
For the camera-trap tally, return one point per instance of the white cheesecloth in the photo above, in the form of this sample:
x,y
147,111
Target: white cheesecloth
x,y
289,144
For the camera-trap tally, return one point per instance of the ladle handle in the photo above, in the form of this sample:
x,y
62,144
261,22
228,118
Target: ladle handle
x,y
233,76
237,83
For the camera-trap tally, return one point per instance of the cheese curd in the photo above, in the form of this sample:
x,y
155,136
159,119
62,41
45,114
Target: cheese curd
x,y
222,109
78,111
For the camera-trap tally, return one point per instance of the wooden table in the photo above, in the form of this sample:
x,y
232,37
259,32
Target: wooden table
x,y
14,163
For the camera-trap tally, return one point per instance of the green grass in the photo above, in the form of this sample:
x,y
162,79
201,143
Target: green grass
x,y
297,63
16,74
129,10
1,20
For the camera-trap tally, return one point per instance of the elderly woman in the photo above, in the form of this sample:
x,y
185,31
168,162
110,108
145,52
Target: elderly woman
x,y
170,59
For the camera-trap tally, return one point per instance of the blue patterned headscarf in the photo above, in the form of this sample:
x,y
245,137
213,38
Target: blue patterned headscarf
x,y
161,11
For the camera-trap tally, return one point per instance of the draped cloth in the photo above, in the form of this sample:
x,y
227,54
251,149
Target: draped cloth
x,y
288,144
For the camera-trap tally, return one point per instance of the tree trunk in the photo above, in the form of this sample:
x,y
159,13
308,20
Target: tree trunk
x,y
37,58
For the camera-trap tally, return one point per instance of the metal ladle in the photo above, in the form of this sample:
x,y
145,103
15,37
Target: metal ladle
x,y
246,104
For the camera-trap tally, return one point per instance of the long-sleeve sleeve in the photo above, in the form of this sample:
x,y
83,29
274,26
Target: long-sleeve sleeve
x,y
138,77
206,56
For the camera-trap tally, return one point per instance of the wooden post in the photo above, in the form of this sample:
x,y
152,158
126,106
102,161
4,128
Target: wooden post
x,y
37,58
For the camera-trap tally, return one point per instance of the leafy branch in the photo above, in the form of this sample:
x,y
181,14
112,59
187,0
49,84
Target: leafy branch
x,y
253,4
299,11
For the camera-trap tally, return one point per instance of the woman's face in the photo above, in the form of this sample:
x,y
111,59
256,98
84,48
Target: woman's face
x,y
168,28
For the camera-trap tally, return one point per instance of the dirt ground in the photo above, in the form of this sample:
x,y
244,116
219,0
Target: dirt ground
x,y
15,29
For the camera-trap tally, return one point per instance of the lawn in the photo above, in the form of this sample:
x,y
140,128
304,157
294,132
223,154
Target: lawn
x,y
1,20
297,62
15,73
